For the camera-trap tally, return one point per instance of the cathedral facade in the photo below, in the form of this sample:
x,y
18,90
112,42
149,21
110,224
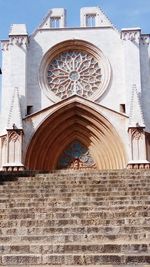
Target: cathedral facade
x,y
75,97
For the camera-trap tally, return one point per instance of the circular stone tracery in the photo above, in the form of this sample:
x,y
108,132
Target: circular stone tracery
x,y
74,72
74,76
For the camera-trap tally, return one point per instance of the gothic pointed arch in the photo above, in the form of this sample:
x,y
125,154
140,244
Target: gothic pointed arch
x,y
73,121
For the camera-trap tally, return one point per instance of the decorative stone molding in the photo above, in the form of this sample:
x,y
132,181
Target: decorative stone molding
x,y
137,133
13,168
131,35
4,140
138,149
76,121
145,39
14,40
12,150
66,60
5,45
14,135
18,40
138,165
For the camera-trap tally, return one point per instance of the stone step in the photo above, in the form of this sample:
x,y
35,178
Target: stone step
x,y
135,237
109,230
62,265
67,202
77,176
60,180
40,203
73,188
75,199
82,195
117,193
74,248
78,259
95,184
70,210
73,222
79,183
74,181
107,215
76,218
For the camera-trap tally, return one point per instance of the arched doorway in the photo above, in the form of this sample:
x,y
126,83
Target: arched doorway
x,y
75,122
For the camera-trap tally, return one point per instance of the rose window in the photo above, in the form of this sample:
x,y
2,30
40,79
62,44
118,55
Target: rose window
x,y
74,72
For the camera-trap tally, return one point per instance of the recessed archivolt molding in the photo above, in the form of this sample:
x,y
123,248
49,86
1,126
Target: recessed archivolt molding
x,y
75,122
74,45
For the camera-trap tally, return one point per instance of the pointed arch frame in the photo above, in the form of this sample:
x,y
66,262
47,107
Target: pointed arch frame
x,y
72,121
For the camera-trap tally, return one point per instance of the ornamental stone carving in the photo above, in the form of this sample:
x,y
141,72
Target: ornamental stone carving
x,y
131,35
137,134
74,72
5,45
74,68
145,39
18,40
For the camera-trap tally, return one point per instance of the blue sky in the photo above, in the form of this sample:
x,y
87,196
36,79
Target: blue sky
x,y
128,13
123,14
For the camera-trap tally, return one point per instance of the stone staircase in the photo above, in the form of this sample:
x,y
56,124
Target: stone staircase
x,y
75,218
